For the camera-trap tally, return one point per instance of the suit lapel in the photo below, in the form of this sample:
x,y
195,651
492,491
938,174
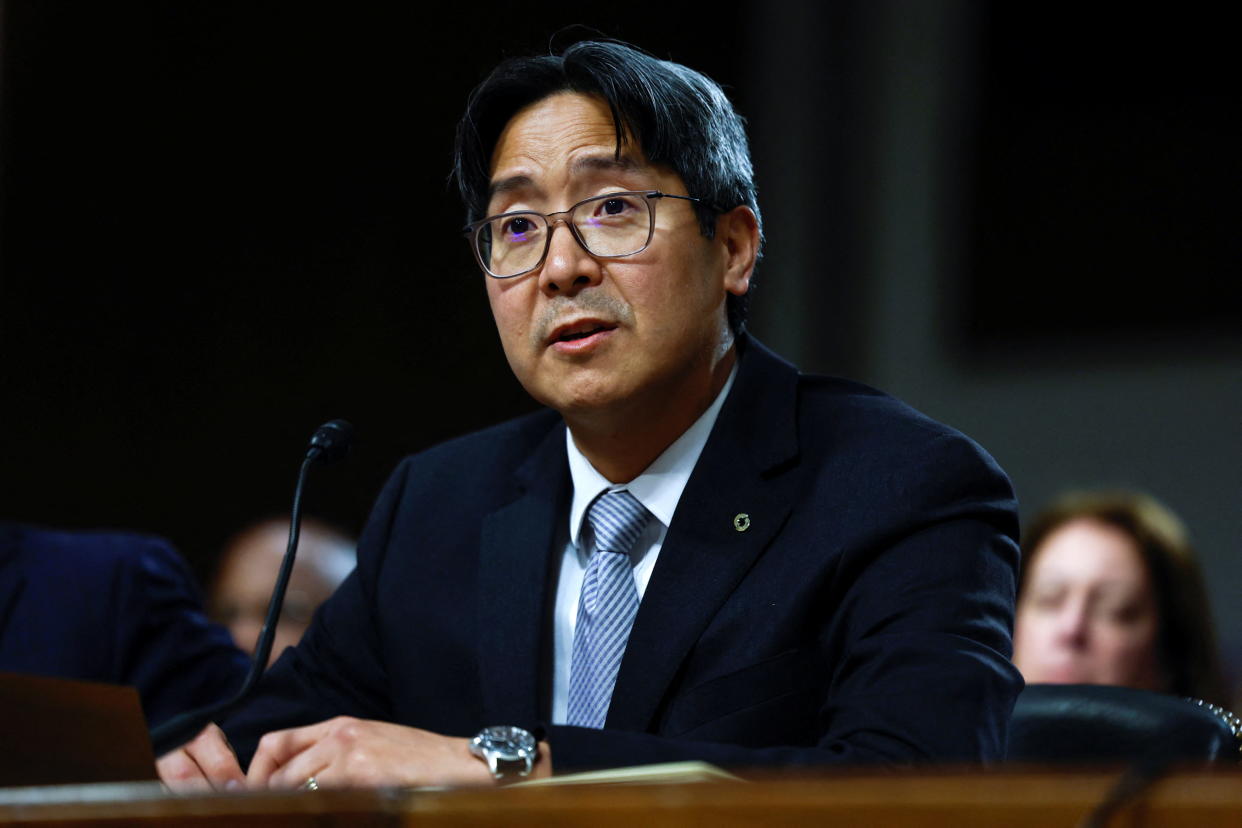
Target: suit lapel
x,y
745,469
514,575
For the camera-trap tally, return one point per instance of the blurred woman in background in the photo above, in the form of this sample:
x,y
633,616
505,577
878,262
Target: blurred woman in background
x,y
1110,592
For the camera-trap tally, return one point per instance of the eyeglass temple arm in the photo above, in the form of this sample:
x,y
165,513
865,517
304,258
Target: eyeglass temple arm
x,y
707,204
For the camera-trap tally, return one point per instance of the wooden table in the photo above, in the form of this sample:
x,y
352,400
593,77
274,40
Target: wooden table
x,y
925,798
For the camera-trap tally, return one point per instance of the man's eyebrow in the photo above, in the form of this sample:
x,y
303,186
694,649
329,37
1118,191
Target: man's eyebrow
x,y
504,185
605,163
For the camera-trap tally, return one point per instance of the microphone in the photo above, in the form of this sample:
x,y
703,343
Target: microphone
x,y
329,443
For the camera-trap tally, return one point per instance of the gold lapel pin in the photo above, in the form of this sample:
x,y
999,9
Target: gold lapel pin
x,y
741,521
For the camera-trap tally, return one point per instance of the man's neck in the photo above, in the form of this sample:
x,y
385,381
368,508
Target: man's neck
x,y
622,443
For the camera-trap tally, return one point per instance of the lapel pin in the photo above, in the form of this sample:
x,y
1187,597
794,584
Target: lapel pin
x,y
741,521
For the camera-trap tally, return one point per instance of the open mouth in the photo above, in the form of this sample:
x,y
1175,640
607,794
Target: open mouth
x,y
580,330
571,336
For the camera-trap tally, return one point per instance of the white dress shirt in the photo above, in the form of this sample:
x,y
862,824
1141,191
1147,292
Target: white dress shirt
x,y
659,489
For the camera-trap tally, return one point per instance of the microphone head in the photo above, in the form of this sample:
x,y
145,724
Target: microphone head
x,y
330,441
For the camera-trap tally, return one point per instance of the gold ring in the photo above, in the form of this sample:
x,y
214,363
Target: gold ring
x,y
310,784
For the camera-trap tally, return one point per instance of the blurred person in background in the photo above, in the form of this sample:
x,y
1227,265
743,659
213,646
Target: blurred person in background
x,y
1110,592
247,575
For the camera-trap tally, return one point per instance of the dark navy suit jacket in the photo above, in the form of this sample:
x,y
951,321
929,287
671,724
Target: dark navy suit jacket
x,y
864,615
111,607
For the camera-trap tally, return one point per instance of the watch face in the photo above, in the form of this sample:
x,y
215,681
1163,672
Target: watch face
x,y
506,741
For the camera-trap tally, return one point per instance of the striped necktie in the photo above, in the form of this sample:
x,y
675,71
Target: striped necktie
x,y
606,607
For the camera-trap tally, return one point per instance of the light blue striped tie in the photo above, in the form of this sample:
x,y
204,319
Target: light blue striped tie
x,y
606,608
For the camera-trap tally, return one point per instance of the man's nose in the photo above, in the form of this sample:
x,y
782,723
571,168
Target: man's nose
x,y
568,267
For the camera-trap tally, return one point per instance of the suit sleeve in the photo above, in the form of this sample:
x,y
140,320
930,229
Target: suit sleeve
x,y
164,644
920,636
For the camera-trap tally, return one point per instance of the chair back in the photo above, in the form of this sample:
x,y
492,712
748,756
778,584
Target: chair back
x,y
1086,723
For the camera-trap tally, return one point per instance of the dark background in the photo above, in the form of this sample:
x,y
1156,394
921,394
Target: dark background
x,y
224,223
1107,177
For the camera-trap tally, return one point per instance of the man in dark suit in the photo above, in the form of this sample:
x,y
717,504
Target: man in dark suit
x,y
111,607
697,553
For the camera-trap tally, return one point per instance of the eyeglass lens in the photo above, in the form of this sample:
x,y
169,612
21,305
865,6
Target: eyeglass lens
x,y
617,224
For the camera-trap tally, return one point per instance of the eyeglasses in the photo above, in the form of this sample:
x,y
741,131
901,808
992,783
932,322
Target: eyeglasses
x,y
608,226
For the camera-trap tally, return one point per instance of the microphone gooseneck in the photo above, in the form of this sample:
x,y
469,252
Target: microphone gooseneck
x,y
329,443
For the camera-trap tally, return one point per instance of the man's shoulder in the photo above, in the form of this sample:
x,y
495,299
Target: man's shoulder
x,y
484,460
104,568
68,550
843,411
852,431
115,578
848,407
836,424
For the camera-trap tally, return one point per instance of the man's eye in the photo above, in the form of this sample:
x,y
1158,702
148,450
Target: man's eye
x,y
518,228
616,206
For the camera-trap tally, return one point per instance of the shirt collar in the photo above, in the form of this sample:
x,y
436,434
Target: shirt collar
x,y
660,485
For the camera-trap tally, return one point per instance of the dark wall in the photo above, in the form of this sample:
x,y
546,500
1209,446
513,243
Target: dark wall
x,y
224,223
1106,181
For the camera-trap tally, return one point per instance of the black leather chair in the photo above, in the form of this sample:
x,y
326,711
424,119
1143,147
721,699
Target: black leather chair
x,y
1086,724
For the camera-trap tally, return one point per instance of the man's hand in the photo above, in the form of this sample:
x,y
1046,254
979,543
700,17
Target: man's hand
x,y
206,763
346,752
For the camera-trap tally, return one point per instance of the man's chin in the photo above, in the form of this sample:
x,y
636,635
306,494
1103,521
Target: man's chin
x,y
584,398
588,384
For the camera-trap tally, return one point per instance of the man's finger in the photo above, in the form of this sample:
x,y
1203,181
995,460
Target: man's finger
x,y
214,755
314,762
206,762
278,748
181,773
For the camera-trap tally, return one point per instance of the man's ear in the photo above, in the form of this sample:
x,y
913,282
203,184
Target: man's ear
x,y
738,231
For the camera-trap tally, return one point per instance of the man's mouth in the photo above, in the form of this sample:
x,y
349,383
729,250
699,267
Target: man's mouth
x,y
581,337
580,330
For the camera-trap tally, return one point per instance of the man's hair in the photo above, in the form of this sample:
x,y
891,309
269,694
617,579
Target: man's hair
x,y
678,117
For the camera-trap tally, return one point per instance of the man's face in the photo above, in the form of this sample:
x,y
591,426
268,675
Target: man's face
x,y
588,335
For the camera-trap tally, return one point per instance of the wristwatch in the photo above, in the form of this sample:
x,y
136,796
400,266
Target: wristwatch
x,y
509,752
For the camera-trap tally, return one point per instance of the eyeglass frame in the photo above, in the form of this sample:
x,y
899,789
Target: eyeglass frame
x,y
471,230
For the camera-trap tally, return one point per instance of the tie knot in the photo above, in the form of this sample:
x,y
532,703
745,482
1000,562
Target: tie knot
x,y
618,519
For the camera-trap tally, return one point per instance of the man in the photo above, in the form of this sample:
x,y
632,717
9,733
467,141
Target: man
x,y
247,575
112,607
697,552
